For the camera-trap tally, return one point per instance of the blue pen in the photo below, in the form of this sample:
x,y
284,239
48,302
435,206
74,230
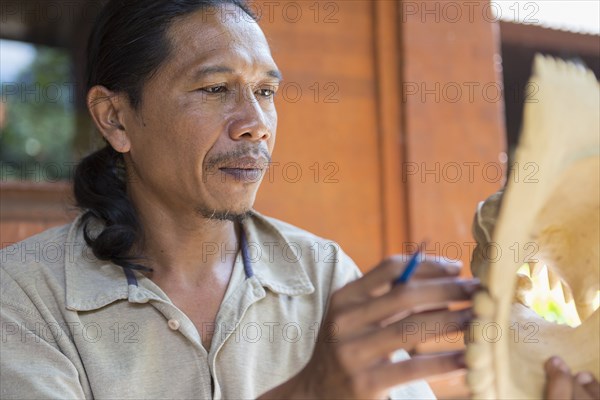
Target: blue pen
x,y
411,266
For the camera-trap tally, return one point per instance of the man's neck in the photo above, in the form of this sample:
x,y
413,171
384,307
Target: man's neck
x,y
187,250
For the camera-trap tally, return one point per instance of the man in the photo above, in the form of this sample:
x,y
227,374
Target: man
x,y
131,300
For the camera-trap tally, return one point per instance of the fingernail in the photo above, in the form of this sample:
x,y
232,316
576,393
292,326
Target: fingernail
x,y
583,378
558,363
453,268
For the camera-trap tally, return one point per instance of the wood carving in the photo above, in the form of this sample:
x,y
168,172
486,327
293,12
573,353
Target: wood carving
x,y
555,212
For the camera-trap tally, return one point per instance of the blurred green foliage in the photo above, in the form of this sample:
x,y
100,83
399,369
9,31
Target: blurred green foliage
x,y
551,311
36,142
549,303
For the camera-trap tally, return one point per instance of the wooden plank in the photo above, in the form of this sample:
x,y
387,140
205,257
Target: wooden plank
x,y
333,132
542,38
454,126
27,208
395,220
36,201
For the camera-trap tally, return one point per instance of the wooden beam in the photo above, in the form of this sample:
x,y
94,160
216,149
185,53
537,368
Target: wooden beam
x,y
455,132
548,39
395,222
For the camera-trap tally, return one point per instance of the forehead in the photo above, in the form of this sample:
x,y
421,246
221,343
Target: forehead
x,y
218,34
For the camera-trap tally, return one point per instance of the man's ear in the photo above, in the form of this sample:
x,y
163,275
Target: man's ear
x,y
108,110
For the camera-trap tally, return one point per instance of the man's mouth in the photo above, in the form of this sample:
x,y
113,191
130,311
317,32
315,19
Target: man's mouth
x,y
245,170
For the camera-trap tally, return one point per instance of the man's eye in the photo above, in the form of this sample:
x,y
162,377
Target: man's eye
x,y
266,92
215,89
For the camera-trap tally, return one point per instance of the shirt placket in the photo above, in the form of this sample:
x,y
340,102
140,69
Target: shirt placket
x,y
177,322
228,321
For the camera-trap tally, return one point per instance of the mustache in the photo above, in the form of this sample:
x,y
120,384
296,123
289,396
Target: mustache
x,y
236,154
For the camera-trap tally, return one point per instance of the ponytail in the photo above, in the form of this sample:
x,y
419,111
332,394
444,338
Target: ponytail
x,y
100,190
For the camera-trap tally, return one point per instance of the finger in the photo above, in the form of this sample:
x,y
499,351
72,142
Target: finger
x,y
579,393
419,367
380,279
559,382
408,333
362,289
589,383
438,268
402,301
442,326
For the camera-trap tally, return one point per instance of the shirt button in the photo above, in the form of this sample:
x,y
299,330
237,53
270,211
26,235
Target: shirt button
x,y
173,324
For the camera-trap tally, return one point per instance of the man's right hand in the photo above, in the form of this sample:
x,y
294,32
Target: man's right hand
x,y
369,319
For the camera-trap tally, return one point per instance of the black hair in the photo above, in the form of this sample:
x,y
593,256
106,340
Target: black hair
x,y
127,45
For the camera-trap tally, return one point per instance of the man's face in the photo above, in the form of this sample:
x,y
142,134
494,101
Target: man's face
x,y
205,130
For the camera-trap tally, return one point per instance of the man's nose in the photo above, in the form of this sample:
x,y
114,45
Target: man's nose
x,y
251,121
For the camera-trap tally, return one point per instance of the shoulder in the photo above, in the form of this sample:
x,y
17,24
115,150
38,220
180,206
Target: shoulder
x,y
290,232
323,259
34,269
44,250
286,235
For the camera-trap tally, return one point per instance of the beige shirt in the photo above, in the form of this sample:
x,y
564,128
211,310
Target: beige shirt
x,y
77,327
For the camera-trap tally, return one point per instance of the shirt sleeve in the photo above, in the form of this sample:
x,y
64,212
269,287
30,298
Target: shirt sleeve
x,y
31,365
346,271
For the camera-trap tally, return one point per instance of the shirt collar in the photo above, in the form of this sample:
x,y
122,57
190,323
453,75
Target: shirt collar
x,y
92,283
276,262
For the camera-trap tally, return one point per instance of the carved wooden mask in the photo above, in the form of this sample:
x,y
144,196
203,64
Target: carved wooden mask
x,y
555,212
